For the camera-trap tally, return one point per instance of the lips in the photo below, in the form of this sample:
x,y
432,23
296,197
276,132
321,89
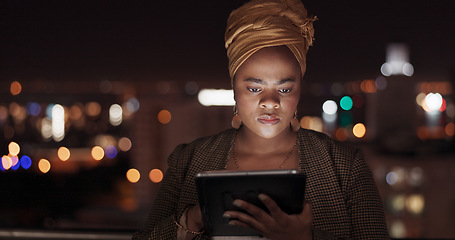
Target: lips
x,y
268,119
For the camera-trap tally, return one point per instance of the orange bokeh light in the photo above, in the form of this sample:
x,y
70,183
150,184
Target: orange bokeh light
x,y
359,130
44,165
97,153
14,148
63,153
164,116
15,88
133,175
156,175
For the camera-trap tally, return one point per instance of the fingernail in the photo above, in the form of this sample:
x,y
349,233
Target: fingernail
x,y
237,203
225,215
262,197
231,223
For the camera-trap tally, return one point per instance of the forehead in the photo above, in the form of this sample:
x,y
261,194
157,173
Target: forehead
x,y
271,62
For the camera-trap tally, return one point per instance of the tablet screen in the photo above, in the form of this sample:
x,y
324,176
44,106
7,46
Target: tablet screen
x,y
218,189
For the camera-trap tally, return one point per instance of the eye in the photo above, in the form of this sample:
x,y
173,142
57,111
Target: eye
x,y
254,90
285,90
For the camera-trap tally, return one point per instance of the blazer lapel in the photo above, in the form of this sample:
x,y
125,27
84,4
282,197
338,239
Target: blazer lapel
x,y
323,189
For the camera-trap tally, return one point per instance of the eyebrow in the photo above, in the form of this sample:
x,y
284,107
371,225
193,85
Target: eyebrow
x,y
259,81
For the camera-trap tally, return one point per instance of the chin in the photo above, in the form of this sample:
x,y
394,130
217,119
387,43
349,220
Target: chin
x,y
269,133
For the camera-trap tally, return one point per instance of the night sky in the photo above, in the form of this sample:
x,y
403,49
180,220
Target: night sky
x,y
71,40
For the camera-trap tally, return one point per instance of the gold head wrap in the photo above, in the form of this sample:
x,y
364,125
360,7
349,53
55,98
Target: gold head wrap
x,y
266,23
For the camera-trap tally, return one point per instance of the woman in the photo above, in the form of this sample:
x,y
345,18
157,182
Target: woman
x,y
266,43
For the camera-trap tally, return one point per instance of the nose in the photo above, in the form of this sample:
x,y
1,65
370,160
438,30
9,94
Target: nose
x,y
270,101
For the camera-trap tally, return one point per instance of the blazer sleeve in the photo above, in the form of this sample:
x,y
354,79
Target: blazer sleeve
x,y
160,222
364,202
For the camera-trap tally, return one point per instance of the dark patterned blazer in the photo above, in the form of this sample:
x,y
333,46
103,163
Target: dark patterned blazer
x,y
345,200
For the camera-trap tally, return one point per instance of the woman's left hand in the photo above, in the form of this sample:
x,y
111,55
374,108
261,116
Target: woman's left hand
x,y
276,224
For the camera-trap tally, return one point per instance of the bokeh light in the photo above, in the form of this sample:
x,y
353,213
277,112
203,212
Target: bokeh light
x,y
450,129
330,107
33,108
63,153
133,175
46,128
3,113
359,130
433,102
6,162
115,114
164,116
14,148
346,103
156,175
132,104
110,151
415,203
26,162
381,83
368,86
44,165
398,229
58,122
391,178
15,88
92,109
124,144
313,123
415,177
341,134
97,153
398,203
15,163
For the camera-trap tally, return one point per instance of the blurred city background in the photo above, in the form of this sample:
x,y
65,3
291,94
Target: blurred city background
x,y
94,95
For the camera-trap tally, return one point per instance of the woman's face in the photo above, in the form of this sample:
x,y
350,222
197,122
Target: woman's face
x,y
267,91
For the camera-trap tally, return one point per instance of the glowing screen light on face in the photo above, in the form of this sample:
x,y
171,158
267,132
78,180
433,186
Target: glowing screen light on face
x,y
26,162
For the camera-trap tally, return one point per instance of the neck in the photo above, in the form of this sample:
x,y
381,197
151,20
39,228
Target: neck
x,y
252,142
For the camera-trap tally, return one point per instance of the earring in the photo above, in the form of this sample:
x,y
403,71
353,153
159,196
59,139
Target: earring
x,y
236,121
295,123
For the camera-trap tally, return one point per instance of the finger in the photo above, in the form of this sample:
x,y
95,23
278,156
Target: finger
x,y
242,219
252,209
272,206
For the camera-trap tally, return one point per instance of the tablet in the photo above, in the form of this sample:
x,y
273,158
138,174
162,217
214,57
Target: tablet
x,y
218,189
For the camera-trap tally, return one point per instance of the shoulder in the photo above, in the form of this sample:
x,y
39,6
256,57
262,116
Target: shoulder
x,y
318,141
